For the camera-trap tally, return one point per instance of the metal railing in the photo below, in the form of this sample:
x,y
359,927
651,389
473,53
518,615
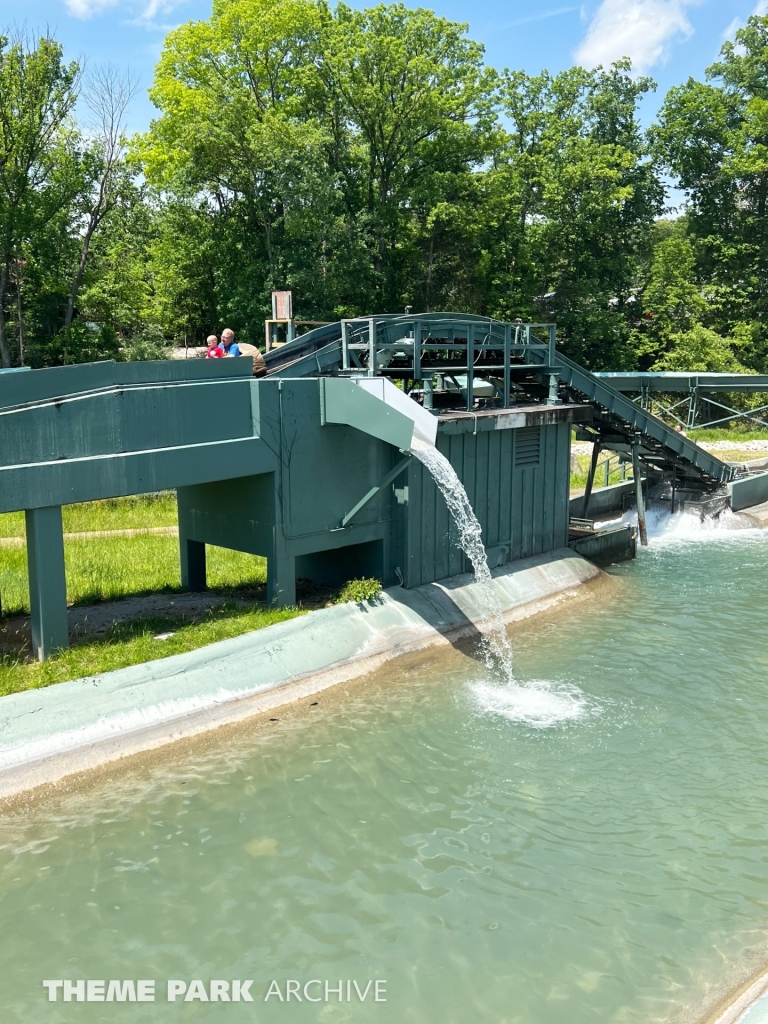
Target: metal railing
x,y
421,347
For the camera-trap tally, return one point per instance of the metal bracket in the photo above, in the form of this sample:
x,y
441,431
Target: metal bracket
x,y
391,475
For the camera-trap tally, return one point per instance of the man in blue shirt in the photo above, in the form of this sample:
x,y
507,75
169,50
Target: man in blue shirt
x,y
228,343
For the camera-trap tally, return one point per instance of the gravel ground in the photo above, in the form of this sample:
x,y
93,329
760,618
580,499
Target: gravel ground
x,y
585,448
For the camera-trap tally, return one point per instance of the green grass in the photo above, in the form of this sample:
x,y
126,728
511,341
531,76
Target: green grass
x,y
108,568
134,642
134,513
579,480
728,435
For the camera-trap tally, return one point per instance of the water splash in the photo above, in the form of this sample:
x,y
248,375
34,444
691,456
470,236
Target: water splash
x,y
666,530
496,646
538,704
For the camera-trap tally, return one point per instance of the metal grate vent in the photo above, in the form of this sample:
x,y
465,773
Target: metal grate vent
x,y
528,446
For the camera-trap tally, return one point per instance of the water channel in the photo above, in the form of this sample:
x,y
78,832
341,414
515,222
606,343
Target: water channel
x,y
594,851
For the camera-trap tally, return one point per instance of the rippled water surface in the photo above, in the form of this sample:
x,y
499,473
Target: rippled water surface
x,y
594,849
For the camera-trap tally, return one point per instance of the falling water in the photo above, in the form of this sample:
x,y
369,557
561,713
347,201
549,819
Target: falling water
x,y
496,645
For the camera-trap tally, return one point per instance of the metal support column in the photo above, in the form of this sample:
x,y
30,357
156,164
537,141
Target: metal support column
x,y
639,492
417,350
554,379
470,367
674,484
344,345
281,576
47,580
192,559
590,479
693,407
429,402
372,368
507,361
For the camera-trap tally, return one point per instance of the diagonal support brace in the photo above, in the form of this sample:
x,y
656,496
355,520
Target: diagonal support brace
x,y
375,490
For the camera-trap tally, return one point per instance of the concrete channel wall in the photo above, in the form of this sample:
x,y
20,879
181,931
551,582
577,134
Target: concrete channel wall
x,y
75,726
613,498
748,491
604,547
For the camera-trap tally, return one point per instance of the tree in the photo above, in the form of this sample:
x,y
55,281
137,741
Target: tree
x,y
37,94
319,143
672,301
407,107
569,202
700,350
713,137
108,94
233,133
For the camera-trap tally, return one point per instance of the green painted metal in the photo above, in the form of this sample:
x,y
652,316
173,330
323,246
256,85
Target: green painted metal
x,y
522,508
604,547
669,381
639,497
702,405
292,514
483,344
47,580
590,479
277,466
192,561
392,475
58,381
118,420
623,416
64,482
341,401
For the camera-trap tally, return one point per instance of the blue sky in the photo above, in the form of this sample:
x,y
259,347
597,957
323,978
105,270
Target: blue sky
x,y
668,39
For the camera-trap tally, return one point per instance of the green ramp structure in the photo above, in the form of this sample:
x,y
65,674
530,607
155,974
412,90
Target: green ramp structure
x,y
312,466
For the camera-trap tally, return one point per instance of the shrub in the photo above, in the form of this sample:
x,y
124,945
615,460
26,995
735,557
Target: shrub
x,y
366,589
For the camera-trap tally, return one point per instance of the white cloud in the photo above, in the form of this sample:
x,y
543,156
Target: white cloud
x,y
640,29
761,8
143,12
540,16
87,8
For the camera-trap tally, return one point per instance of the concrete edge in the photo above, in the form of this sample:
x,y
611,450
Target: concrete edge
x,y
749,490
49,770
743,1002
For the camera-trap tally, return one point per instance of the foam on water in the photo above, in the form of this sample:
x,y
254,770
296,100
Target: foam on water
x,y
665,529
538,704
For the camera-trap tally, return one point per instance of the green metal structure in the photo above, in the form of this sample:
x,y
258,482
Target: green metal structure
x,y
311,466
702,403
522,360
